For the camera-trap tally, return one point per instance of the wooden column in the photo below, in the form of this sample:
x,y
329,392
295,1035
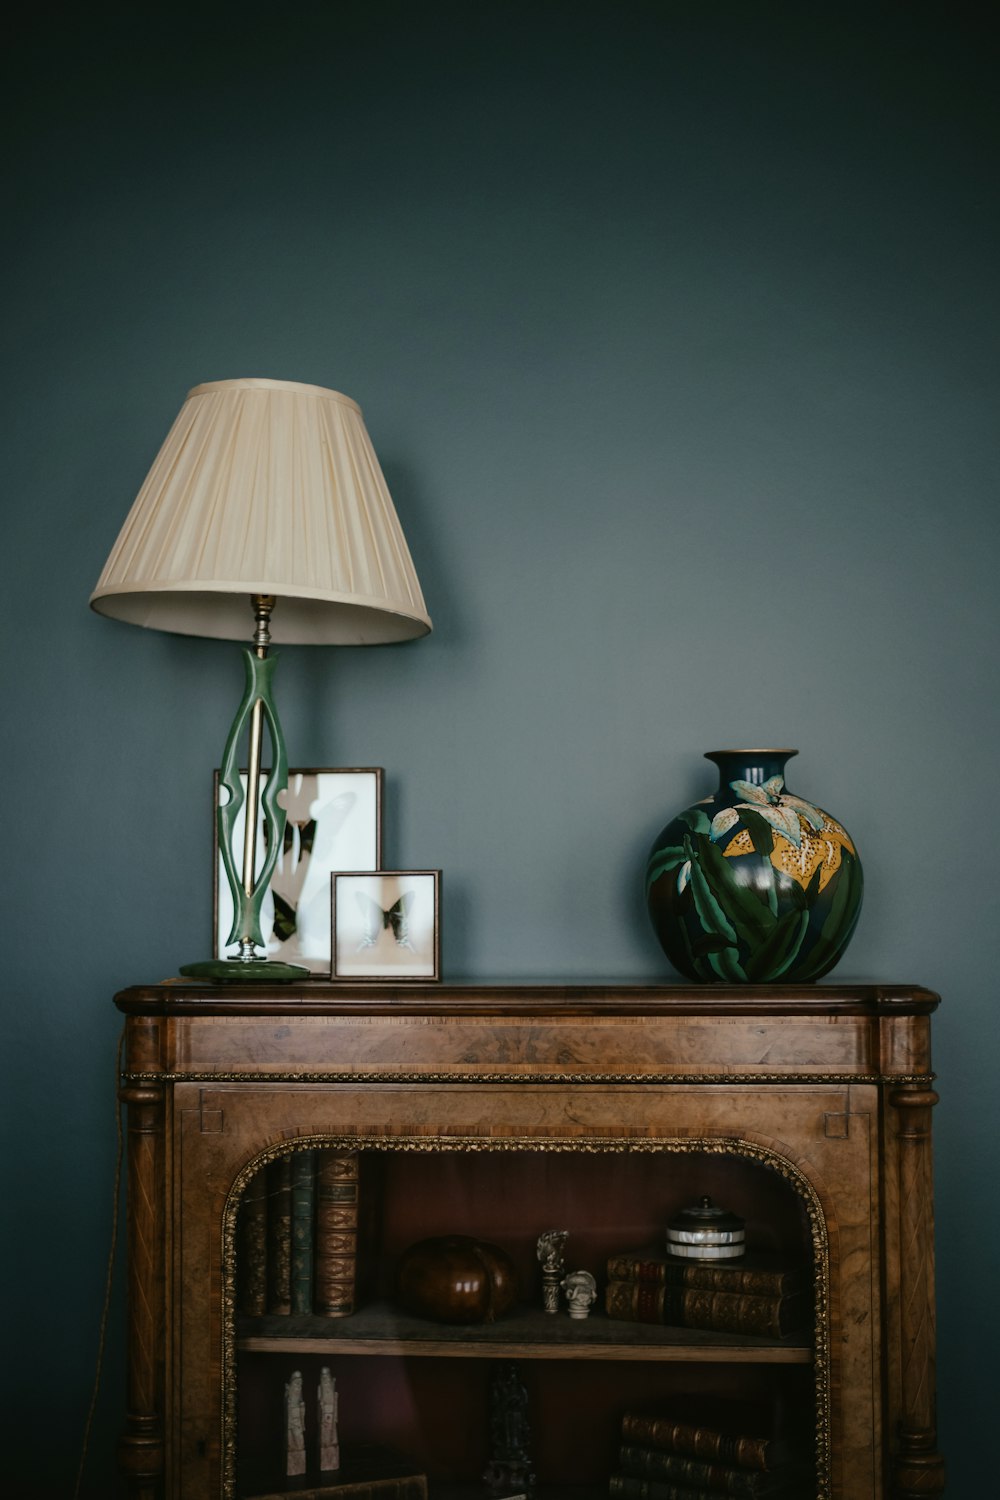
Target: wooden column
x,y
141,1449
917,1469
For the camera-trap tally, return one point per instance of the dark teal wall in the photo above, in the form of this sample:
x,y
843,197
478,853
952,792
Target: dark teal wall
x,y
675,327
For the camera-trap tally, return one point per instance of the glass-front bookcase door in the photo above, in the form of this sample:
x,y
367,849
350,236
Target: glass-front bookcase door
x,y
492,1318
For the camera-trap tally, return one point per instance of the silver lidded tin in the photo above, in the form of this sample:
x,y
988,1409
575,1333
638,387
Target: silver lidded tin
x,y
703,1231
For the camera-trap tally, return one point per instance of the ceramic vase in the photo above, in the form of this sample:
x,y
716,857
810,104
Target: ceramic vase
x,y
753,885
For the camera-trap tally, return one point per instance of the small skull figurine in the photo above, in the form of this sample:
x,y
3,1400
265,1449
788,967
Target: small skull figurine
x,y
581,1293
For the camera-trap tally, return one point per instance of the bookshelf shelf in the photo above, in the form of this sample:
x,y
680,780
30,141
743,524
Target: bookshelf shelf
x,y
524,1334
500,1112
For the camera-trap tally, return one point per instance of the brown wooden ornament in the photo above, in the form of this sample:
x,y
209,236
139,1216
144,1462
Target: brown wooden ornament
x,y
457,1279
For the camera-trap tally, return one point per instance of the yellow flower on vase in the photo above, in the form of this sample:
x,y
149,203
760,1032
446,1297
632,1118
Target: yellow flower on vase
x,y
806,838
819,849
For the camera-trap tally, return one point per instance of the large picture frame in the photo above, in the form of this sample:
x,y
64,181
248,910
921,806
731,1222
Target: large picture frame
x,y
333,822
385,926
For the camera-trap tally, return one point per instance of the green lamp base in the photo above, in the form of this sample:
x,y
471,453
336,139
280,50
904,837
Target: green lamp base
x,y
256,707
250,971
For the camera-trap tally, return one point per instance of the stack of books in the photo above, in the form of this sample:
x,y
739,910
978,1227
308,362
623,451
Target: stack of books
x,y
664,1459
297,1236
751,1295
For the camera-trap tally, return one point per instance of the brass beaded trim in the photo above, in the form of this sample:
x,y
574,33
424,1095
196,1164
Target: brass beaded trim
x,y
716,1146
522,1078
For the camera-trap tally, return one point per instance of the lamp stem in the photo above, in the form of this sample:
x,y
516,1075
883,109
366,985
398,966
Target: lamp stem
x,y
262,604
248,894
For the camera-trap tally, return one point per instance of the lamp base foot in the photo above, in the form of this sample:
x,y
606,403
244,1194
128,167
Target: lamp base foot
x,y
239,971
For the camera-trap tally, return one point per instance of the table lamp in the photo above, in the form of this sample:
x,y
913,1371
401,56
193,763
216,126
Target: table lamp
x,y
266,502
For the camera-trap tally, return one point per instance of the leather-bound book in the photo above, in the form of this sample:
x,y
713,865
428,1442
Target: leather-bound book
x,y
336,1232
403,1487
758,1274
737,1449
279,1235
688,1307
303,1230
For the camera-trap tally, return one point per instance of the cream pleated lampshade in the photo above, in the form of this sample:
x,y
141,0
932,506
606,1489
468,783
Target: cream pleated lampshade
x,y
266,487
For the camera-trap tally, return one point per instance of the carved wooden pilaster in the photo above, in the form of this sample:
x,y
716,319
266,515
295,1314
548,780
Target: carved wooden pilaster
x,y
917,1469
141,1448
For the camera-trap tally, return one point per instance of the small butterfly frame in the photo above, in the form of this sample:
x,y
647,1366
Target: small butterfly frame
x,y
385,926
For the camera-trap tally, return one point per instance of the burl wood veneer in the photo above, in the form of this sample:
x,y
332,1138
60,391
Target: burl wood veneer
x,y
829,1087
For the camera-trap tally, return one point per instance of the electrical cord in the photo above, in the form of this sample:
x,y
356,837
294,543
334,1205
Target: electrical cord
x,y
109,1277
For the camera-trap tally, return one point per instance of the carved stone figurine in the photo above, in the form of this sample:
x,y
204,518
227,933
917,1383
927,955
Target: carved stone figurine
x,y
295,1426
550,1256
326,1403
581,1293
509,1471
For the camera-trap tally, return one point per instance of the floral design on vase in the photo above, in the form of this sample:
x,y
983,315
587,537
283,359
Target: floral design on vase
x,y
754,885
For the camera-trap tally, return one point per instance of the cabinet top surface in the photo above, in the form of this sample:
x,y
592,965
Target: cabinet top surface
x,y
321,997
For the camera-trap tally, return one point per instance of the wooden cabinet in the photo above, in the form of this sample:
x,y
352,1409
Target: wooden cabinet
x,y
500,1112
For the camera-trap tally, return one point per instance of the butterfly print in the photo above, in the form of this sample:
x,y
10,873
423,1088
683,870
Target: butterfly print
x,y
377,920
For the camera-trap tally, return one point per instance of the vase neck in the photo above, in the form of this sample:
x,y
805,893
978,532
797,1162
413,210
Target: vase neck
x,y
755,766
